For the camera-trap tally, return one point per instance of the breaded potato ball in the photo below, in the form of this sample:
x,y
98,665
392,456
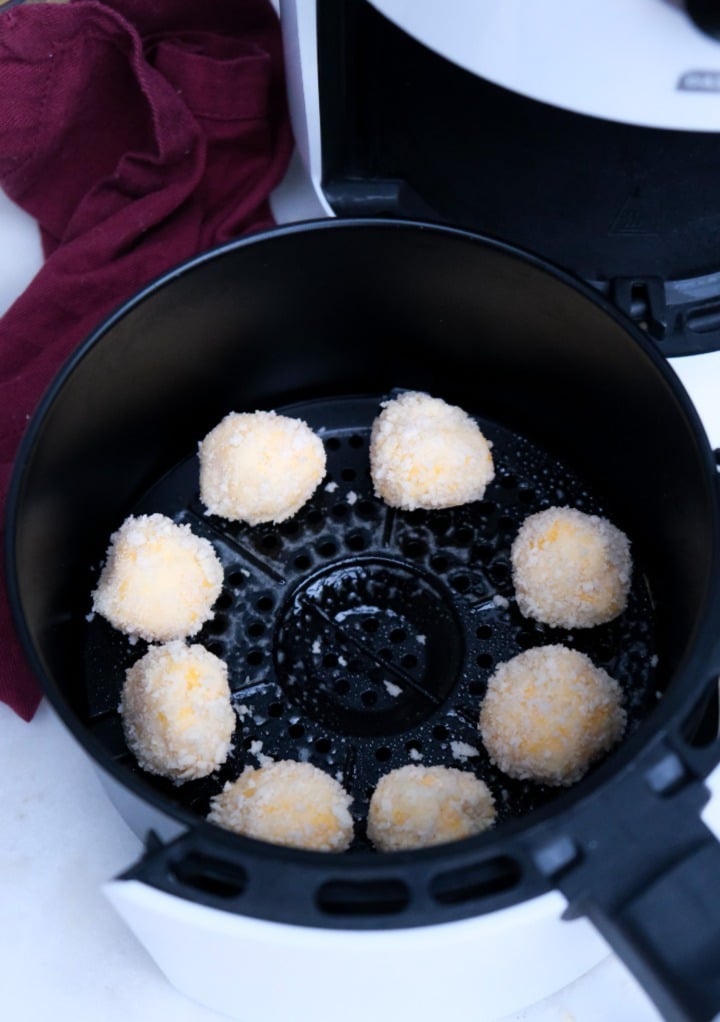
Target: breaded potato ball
x,y
416,806
159,581
549,713
176,711
287,803
571,569
259,467
425,453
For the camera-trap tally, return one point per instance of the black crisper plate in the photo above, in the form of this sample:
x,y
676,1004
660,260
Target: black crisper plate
x,y
361,638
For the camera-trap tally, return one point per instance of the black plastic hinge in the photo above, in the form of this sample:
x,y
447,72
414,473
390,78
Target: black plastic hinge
x,y
643,299
373,197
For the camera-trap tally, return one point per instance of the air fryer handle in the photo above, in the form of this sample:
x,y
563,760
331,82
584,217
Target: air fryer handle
x,y
669,935
645,869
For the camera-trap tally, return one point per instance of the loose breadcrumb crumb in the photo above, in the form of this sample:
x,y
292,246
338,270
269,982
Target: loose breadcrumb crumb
x,y
463,750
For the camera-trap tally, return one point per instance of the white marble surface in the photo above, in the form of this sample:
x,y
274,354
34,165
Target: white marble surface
x,y
63,952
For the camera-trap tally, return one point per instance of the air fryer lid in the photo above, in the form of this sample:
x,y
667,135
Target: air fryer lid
x,y
406,132
309,315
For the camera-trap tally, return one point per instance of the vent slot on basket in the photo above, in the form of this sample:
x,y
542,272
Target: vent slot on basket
x,y
209,876
362,897
477,881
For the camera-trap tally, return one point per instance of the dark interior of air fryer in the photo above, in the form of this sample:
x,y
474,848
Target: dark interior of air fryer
x,y
359,637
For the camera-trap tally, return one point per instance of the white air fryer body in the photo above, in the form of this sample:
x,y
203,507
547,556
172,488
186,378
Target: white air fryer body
x,y
298,20
475,970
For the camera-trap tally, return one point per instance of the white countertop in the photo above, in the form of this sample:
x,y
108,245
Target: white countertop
x,y
64,954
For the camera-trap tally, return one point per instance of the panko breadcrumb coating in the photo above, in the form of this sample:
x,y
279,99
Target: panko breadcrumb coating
x,y
259,467
425,453
571,569
549,713
417,806
287,803
176,711
159,581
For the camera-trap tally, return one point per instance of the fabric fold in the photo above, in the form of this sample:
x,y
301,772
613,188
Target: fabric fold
x,y
136,134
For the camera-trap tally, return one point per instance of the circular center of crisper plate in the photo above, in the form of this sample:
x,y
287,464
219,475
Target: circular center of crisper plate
x,y
369,646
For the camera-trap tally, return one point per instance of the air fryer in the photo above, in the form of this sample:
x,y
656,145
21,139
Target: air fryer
x,y
325,321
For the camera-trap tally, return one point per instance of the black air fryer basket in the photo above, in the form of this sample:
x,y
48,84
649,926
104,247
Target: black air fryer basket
x,y
361,638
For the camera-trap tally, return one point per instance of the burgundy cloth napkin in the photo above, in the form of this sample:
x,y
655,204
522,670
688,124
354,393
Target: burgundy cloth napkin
x,y
137,133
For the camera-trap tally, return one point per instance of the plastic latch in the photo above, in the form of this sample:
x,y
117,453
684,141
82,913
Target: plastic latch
x,y
711,812
667,775
557,855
